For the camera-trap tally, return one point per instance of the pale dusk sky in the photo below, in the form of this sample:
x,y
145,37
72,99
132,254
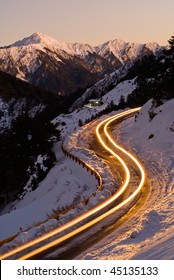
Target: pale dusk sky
x,y
88,21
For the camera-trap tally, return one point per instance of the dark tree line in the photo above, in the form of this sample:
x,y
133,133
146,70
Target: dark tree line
x,y
154,81
154,78
20,147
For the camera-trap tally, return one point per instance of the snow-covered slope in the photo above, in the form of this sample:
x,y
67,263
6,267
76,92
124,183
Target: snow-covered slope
x,y
12,109
151,137
154,126
126,52
104,86
71,121
48,63
123,89
77,139
42,40
118,47
55,193
147,235
150,233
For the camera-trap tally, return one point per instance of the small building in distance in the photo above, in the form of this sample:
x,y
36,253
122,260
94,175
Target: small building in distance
x,y
94,103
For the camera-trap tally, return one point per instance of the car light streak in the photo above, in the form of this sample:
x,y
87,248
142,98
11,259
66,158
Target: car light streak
x,y
95,209
139,165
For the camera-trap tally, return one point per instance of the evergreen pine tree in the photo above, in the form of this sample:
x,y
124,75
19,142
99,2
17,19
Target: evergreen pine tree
x,y
121,103
80,123
171,42
171,45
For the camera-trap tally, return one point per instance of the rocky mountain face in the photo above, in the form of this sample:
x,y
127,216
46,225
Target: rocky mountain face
x,y
63,68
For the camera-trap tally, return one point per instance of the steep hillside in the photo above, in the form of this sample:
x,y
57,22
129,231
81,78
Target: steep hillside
x,y
150,135
65,67
25,135
154,79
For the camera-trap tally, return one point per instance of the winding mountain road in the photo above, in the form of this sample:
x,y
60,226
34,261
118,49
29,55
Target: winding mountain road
x,y
133,179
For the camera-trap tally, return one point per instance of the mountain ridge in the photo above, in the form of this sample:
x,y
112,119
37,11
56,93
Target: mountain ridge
x,y
66,67
74,47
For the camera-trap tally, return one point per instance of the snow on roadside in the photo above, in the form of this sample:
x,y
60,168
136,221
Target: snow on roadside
x,y
153,142
68,123
78,143
65,184
150,233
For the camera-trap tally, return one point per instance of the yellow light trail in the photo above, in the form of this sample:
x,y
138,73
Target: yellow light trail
x,y
130,155
95,209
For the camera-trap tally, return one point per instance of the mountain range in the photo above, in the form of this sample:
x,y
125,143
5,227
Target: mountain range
x,y
63,68
40,78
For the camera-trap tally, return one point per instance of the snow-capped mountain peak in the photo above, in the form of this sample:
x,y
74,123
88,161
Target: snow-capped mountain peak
x,y
126,51
81,49
111,44
117,47
43,40
35,38
39,57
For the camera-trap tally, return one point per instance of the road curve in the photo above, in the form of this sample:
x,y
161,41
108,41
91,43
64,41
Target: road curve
x,y
93,216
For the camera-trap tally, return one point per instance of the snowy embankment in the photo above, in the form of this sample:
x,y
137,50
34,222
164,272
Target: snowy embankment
x,y
150,233
147,235
65,184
